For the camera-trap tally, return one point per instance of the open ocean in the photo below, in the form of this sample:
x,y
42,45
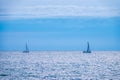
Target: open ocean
x,y
60,65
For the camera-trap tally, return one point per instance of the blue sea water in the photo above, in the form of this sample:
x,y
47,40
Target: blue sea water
x,y
60,65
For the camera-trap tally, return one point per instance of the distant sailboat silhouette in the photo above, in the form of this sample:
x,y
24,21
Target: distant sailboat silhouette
x,y
88,48
26,49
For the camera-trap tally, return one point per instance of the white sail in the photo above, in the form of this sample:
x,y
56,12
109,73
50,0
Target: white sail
x,y
26,49
88,48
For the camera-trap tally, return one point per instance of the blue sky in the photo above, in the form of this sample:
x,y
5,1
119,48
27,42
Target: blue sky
x,y
60,8
59,25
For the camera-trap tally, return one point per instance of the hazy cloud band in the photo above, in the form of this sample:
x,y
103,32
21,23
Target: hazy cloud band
x,y
58,11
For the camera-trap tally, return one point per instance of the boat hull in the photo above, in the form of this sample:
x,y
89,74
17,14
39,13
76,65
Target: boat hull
x,y
25,51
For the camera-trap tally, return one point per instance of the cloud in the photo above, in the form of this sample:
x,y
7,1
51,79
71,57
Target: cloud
x,y
58,11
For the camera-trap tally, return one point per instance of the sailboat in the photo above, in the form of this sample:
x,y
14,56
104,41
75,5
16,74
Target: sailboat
x,y
26,49
88,48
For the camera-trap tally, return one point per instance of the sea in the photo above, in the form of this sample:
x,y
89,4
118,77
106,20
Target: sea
x,y
60,65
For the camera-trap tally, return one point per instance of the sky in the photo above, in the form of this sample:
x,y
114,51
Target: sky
x,y
59,24
62,8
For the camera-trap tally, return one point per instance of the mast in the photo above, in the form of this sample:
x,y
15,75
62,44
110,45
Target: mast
x,y
88,47
27,47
